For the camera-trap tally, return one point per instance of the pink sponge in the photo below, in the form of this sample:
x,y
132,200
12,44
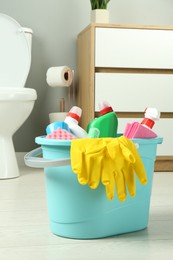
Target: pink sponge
x,y
61,134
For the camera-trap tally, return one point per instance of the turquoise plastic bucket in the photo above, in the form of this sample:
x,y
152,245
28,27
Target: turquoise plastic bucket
x,y
76,211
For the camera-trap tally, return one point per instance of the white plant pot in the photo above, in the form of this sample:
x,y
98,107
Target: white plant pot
x,y
57,117
99,16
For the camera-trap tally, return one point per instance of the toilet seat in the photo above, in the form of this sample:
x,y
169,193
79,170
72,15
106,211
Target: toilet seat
x,y
17,94
15,54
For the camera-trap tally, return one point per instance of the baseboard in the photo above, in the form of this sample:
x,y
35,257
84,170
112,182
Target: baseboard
x,y
164,164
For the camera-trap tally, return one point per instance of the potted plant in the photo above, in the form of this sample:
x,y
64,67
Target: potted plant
x,y
99,4
99,12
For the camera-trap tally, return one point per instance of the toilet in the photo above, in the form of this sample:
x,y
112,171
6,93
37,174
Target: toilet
x,y
16,102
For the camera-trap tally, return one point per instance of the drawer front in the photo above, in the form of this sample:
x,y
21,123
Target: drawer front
x,y
163,128
133,48
133,92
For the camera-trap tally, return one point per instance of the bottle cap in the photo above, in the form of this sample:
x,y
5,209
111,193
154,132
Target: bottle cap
x,y
151,115
75,112
148,122
104,108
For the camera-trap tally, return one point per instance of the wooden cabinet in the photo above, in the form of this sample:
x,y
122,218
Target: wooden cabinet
x,y
132,68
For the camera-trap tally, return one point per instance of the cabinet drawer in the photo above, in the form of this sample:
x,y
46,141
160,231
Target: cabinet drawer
x,y
163,128
133,92
133,48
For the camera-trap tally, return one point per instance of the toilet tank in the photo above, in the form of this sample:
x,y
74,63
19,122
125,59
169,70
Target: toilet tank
x,y
28,32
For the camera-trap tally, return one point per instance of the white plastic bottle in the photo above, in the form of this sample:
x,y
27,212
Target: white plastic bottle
x,y
72,119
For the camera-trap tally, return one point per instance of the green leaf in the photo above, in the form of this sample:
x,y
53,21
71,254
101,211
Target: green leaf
x,y
99,4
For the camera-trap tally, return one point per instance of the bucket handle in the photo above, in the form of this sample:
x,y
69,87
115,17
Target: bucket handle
x,y
31,159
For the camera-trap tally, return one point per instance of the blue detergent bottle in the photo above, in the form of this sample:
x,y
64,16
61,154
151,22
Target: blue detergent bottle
x,y
107,123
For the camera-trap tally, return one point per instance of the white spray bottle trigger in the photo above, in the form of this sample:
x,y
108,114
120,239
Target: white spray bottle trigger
x,y
152,113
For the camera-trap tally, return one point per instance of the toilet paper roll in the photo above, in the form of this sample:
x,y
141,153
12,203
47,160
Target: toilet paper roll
x,y
59,76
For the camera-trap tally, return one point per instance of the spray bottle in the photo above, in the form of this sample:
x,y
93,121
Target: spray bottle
x,y
107,123
143,129
151,115
72,120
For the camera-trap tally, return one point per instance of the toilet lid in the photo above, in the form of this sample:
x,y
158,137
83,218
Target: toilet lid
x,y
15,56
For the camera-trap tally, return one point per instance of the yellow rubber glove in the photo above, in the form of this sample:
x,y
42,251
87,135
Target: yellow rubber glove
x,y
132,167
121,166
95,159
138,164
107,174
113,160
91,161
127,161
86,160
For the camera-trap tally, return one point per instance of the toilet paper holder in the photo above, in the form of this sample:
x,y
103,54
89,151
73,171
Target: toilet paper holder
x,y
61,76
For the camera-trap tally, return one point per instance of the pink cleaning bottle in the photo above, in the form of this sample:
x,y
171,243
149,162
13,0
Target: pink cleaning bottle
x,y
143,129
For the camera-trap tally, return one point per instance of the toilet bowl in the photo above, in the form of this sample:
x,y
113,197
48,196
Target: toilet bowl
x,y
16,102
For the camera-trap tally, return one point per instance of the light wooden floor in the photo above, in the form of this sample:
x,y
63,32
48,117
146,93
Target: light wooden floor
x,y
25,234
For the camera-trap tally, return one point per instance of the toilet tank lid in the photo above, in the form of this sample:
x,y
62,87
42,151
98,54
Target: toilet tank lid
x,y
14,52
14,94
